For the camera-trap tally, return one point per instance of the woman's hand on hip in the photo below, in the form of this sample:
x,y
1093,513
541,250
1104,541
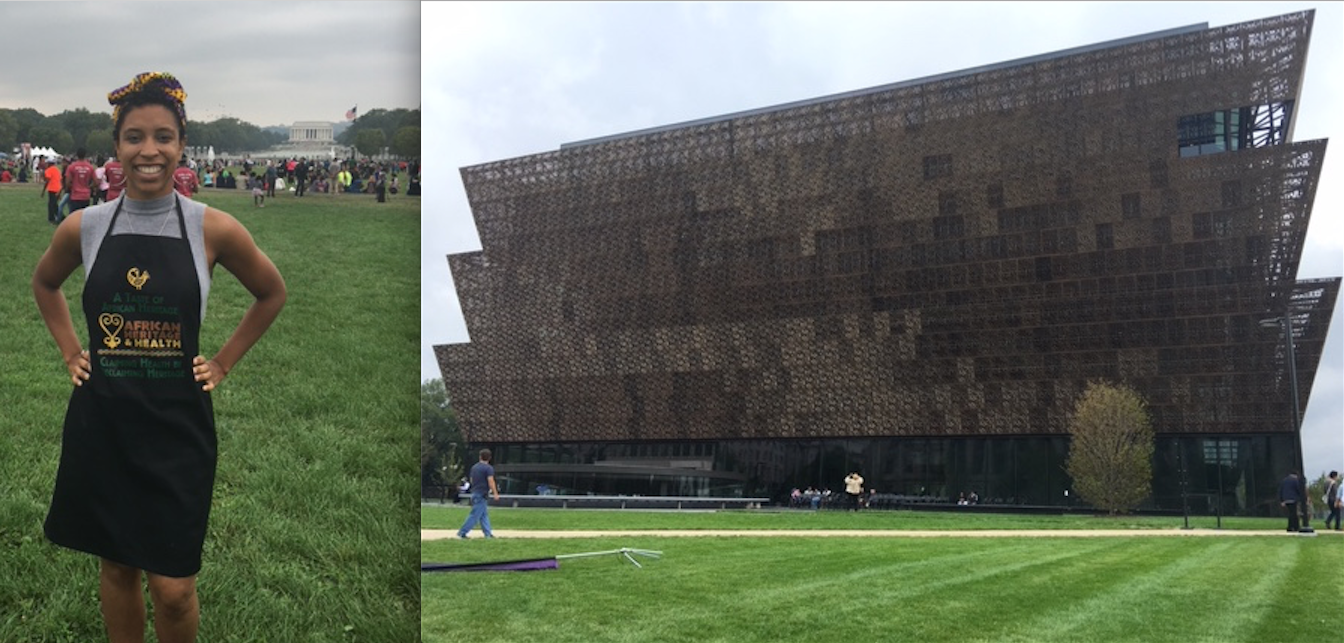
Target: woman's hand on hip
x,y
208,372
78,365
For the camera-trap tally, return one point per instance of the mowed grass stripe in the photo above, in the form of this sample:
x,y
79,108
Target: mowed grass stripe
x,y
903,558
1306,604
1252,576
1110,599
941,581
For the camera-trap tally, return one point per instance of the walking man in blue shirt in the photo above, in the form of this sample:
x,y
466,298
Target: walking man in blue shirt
x,y
482,478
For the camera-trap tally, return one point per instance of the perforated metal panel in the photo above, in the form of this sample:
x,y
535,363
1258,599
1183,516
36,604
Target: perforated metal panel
x,y
952,257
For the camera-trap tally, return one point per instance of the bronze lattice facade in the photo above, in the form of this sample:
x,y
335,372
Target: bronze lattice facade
x,y
952,257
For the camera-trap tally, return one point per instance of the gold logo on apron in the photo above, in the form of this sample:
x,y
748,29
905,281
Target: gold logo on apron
x,y
136,277
111,324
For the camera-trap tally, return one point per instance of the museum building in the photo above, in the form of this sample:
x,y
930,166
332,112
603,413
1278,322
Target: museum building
x,y
915,281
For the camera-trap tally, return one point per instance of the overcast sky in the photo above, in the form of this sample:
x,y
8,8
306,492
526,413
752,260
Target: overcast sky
x,y
266,63
505,79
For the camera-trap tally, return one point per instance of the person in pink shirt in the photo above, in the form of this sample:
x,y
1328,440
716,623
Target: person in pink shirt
x,y
184,179
100,175
79,181
116,178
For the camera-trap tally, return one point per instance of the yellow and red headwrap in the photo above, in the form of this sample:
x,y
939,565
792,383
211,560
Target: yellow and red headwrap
x,y
151,81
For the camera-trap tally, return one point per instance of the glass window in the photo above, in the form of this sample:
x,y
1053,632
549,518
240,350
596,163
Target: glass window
x,y
1233,129
1201,224
1131,205
1105,236
1162,230
947,203
994,195
938,165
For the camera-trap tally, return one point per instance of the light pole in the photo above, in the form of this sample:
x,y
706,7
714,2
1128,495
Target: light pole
x,y
1285,324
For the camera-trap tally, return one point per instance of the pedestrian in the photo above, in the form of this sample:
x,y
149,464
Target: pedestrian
x,y
1304,507
116,178
138,448
343,180
1290,496
51,186
1332,500
301,177
271,176
482,480
854,489
80,181
380,184
258,193
100,175
184,179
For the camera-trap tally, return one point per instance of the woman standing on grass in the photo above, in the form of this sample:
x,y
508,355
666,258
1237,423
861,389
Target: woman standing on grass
x,y
138,447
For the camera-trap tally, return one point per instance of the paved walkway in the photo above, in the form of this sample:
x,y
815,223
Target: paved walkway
x,y
438,534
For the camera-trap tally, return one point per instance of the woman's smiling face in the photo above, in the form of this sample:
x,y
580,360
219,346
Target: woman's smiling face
x,y
149,147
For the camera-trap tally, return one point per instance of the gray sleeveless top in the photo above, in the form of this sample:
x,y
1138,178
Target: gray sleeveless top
x,y
157,218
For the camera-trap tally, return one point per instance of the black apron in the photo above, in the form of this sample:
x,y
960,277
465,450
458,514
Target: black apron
x,y
138,448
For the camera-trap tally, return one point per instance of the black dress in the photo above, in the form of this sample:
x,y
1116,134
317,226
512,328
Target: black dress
x,y
138,448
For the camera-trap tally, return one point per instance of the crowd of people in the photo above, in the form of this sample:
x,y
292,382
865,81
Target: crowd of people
x,y
856,496
1297,503
74,182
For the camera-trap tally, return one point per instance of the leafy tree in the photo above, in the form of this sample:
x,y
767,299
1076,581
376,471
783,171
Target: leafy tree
x,y
389,121
79,122
47,135
1314,492
27,118
441,443
1111,452
100,142
9,131
370,141
406,143
230,135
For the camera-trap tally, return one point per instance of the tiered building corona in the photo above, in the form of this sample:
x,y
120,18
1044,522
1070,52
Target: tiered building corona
x,y
915,281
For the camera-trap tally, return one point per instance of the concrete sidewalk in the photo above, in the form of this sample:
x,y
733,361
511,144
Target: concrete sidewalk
x,y
438,534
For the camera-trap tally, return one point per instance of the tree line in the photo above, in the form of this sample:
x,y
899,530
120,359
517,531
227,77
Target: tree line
x,y
398,130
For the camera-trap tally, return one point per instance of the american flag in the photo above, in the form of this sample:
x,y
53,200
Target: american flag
x,y
350,115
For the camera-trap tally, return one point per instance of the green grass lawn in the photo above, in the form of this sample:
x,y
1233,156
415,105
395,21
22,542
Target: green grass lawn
x,y
312,534
845,590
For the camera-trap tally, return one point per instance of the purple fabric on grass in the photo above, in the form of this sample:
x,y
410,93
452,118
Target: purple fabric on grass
x,y
530,565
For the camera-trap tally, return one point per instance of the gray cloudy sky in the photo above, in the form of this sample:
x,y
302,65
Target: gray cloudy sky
x,y
508,79
266,63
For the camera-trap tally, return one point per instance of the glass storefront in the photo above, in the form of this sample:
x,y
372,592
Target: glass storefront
x,y
1234,475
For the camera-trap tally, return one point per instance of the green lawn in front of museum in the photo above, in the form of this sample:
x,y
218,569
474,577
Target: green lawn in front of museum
x,y
744,589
